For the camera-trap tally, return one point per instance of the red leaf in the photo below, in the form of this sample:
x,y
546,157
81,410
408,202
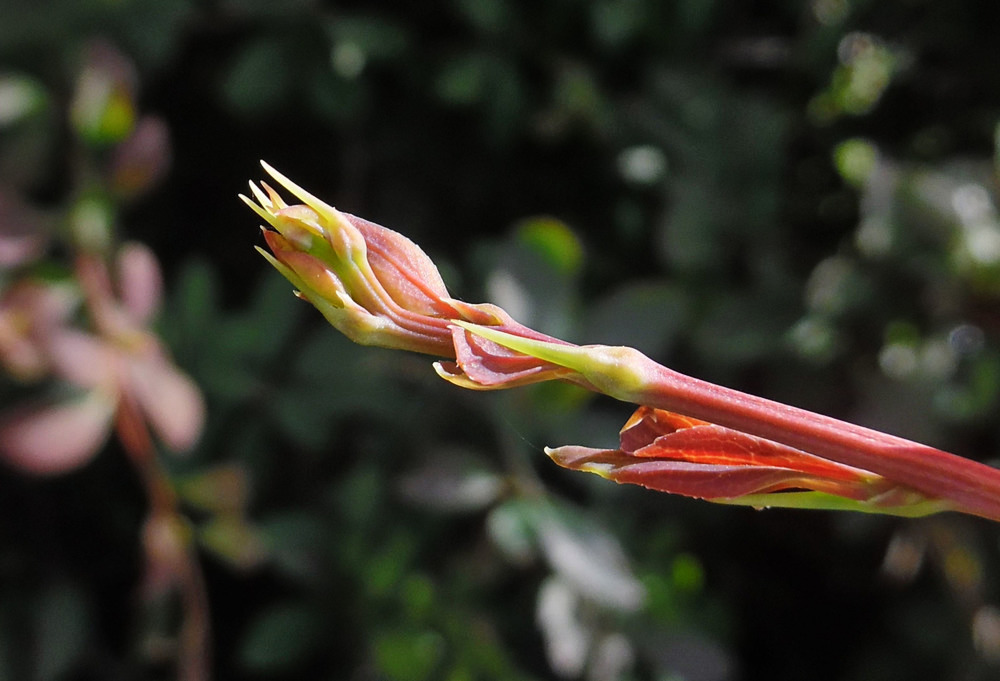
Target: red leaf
x,y
681,455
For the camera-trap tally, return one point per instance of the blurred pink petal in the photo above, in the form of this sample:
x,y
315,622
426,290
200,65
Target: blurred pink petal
x,y
28,312
20,355
83,359
139,280
56,438
16,249
49,303
141,160
170,399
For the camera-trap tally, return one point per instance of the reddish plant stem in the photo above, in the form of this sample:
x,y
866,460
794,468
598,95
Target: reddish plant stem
x,y
971,486
194,637
194,648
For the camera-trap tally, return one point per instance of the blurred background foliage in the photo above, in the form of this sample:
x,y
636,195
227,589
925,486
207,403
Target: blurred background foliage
x,y
797,199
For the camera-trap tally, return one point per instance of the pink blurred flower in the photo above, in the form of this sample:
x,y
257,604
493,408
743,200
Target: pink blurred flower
x,y
30,310
123,375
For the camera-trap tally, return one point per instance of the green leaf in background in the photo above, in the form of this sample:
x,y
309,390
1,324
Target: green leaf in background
x,y
855,160
554,241
257,82
365,38
219,489
462,80
615,22
975,393
296,543
269,9
489,16
21,97
282,636
232,538
403,655
480,78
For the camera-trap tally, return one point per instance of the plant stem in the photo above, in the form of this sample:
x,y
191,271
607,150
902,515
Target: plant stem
x,y
972,487
194,636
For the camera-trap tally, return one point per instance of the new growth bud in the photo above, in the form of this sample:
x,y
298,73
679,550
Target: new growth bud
x,y
373,284
379,288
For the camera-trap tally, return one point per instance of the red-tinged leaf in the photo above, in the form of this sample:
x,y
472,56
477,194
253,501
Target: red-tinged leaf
x,y
703,481
681,455
486,365
656,433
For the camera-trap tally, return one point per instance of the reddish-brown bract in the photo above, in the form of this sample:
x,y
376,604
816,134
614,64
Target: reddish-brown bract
x,y
678,454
